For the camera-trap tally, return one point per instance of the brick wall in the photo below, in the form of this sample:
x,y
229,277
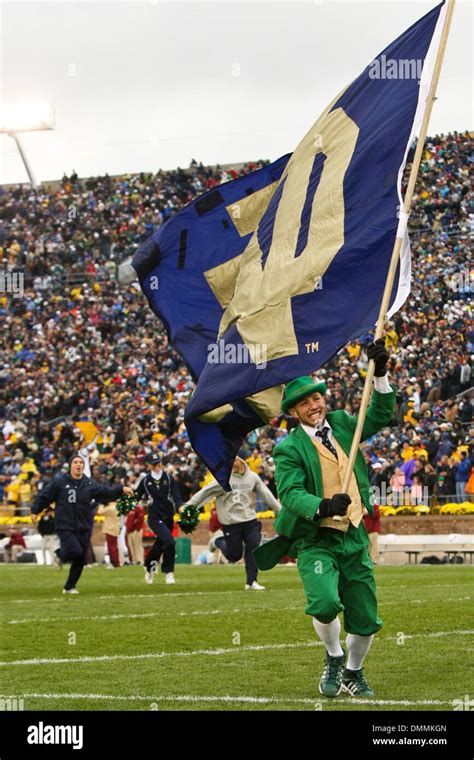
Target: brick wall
x,y
425,524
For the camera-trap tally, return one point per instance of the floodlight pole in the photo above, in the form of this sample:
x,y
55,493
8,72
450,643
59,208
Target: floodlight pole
x,y
29,171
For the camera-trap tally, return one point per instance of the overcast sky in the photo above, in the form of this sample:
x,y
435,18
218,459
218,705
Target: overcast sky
x,y
143,85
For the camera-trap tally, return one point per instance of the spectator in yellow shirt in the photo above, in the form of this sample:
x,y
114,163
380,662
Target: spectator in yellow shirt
x,y
254,461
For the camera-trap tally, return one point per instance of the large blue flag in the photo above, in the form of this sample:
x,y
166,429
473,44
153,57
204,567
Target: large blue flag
x,y
312,269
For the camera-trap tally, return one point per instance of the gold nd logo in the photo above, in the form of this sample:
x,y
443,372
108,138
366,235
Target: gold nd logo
x,y
261,303
258,301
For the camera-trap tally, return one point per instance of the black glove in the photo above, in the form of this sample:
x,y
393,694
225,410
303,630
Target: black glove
x,y
336,505
379,354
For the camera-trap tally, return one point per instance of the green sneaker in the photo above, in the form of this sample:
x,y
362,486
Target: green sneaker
x,y
354,683
330,684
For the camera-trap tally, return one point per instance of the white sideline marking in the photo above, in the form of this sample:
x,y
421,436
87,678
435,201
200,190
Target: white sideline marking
x,y
229,698
199,613
218,651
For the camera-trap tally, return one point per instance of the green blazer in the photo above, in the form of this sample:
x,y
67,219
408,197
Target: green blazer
x,y
299,479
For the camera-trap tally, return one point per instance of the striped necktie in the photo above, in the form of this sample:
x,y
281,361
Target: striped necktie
x,y
323,435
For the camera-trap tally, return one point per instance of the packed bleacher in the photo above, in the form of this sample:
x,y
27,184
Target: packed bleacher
x,y
83,358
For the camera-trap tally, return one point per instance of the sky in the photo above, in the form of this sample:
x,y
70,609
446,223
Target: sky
x,y
139,86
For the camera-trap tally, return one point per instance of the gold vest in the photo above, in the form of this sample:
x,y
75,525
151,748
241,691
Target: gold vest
x,y
332,471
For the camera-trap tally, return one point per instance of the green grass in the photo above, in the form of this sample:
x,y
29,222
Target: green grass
x,y
206,627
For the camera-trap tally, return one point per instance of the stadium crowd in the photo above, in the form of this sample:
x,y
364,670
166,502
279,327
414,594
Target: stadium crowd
x,y
82,356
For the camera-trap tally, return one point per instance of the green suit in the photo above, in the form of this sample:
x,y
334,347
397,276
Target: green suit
x,y
298,471
332,564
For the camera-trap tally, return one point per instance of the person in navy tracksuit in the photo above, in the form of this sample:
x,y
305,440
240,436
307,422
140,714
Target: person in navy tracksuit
x,y
161,492
75,495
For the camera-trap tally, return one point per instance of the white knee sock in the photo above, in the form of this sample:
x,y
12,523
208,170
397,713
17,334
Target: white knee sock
x,y
357,647
329,635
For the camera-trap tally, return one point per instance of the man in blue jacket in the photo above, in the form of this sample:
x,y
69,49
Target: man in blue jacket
x,y
462,475
75,496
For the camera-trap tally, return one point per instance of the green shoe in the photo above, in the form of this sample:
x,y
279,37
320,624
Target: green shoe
x,y
330,684
354,683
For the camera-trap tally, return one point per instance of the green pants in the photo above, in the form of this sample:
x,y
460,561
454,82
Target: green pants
x,y
337,575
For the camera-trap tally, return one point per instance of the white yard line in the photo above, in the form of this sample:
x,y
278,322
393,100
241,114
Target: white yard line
x,y
159,655
154,698
426,601
138,615
434,635
172,594
211,652
161,595
198,613
160,614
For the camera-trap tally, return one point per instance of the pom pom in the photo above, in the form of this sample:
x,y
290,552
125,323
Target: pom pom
x,y
188,518
125,504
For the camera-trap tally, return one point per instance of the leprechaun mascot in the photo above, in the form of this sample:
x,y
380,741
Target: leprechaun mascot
x,y
323,527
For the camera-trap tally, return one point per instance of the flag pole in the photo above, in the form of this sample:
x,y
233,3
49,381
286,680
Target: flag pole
x,y
398,242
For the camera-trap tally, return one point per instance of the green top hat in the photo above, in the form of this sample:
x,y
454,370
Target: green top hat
x,y
298,389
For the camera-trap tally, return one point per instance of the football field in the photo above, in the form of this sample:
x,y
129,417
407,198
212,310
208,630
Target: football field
x,y
207,644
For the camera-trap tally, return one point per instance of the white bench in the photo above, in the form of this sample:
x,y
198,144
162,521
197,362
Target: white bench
x,y
454,544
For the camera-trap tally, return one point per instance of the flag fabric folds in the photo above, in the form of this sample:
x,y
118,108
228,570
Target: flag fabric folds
x,y
187,271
